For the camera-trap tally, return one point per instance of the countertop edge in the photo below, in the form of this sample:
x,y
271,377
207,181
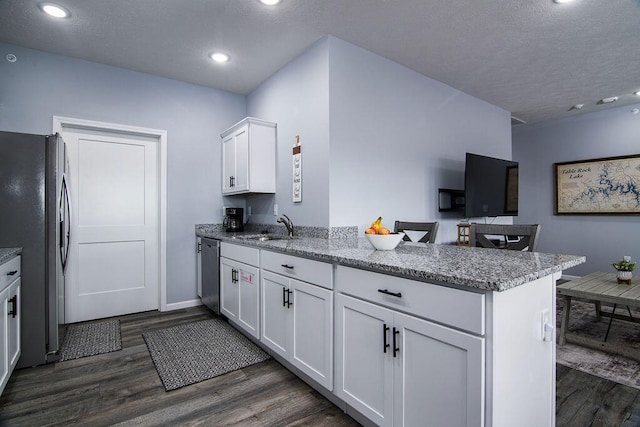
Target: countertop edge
x,y
7,254
340,257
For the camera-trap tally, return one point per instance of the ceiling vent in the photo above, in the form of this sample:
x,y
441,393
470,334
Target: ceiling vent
x,y
516,121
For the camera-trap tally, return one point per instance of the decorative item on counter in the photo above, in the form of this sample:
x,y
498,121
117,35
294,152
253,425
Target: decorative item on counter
x,y
381,237
624,268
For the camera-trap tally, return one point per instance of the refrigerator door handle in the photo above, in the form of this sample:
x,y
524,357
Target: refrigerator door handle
x,y
65,222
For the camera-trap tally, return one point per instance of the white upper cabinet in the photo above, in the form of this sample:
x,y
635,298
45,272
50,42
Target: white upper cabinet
x,y
249,157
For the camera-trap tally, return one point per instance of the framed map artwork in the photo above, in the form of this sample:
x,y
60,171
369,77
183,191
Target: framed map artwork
x,y
598,186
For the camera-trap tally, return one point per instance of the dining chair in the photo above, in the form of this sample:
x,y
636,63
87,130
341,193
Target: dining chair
x,y
516,237
431,229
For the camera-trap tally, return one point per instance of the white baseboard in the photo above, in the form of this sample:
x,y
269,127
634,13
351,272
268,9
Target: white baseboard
x,y
183,304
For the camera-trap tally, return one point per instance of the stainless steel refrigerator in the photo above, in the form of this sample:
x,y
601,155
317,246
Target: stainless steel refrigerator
x,y
34,215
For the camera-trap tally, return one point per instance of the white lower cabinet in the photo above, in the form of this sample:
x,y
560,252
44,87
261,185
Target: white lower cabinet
x,y
240,295
9,319
297,324
13,326
399,370
199,266
4,340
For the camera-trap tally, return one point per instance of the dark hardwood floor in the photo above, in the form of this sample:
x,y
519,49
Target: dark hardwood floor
x,y
123,388
587,400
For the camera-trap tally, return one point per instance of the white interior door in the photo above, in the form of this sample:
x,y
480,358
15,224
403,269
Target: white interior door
x,y
113,266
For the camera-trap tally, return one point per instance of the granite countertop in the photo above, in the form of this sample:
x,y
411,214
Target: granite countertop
x,y
480,268
7,253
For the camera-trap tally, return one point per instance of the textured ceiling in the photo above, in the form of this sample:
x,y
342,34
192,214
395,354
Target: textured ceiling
x,y
533,58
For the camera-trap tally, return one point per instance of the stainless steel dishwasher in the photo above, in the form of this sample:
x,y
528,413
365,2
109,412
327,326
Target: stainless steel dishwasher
x,y
211,274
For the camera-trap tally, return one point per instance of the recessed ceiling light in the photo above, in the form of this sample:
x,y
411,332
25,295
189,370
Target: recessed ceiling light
x,y
54,10
270,2
637,93
608,100
220,57
576,107
562,1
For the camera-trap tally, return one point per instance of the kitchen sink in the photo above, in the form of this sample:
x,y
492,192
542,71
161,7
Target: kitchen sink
x,y
262,237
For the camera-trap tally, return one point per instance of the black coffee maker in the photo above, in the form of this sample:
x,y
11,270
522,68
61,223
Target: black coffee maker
x,y
233,219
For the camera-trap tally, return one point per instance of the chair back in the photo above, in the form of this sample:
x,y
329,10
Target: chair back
x,y
430,227
517,237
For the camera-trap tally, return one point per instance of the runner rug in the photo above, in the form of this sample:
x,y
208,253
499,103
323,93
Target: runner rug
x,y
195,352
90,339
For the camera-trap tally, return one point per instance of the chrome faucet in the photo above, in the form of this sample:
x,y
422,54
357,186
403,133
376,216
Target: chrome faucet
x,y
287,223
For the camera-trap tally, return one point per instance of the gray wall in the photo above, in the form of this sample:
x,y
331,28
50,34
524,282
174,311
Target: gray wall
x,y
40,85
602,238
397,136
297,99
377,138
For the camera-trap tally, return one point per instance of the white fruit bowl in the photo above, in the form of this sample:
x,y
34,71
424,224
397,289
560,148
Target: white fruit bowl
x,y
385,242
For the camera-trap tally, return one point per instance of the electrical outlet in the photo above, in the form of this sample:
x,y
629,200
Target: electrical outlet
x,y
224,211
249,210
275,209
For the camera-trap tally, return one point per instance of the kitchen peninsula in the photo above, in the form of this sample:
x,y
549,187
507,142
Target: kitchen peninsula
x,y
454,335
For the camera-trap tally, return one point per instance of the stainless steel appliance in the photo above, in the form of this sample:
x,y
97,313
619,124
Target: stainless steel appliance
x,y
35,215
233,219
210,267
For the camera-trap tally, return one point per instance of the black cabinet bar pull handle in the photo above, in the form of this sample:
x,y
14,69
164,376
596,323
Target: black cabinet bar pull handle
x,y
396,332
234,275
289,303
385,344
14,306
290,267
388,292
12,273
284,297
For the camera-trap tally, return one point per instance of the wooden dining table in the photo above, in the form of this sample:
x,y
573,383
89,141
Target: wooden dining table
x,y
599,288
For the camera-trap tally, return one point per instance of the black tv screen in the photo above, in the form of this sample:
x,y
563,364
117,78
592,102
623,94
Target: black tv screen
x,y
490,186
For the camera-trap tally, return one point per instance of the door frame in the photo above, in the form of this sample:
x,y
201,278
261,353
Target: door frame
x,y
60,124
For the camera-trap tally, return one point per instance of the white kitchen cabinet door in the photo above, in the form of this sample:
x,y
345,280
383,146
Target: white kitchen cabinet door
x,y
199,266
249,157
312,331
239,295
364,358
248,300
4,339
439,377
235,154
228,162
13,325
229,292
275,313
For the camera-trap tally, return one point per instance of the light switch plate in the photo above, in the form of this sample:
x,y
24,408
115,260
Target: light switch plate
x,y
275,209
547,328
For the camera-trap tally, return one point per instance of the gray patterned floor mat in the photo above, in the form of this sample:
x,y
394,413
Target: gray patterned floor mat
x,y
90,339
195,352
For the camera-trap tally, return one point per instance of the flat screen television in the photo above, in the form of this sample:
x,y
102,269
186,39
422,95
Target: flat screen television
x,y
490,186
